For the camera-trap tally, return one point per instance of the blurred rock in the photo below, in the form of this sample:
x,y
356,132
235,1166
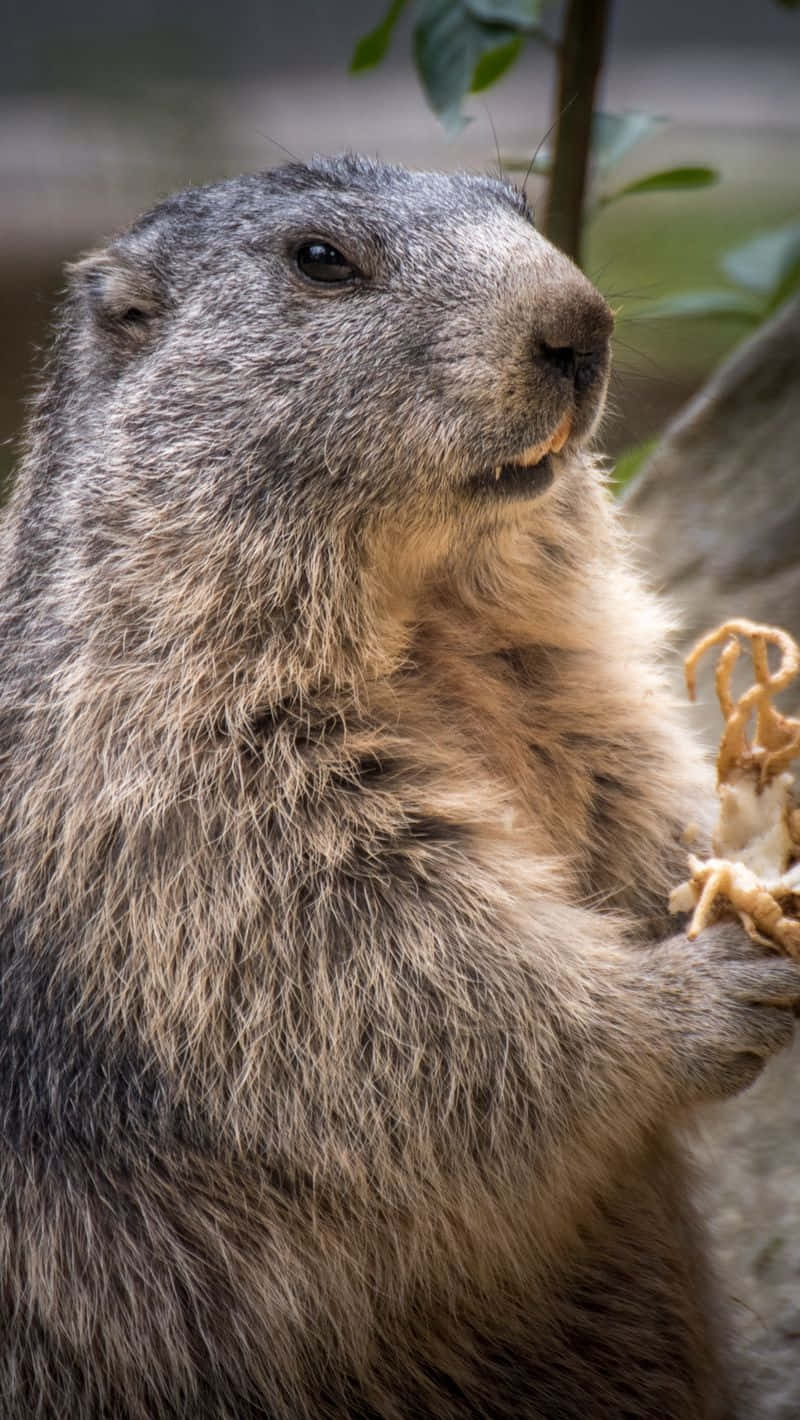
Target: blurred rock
x,y
716,510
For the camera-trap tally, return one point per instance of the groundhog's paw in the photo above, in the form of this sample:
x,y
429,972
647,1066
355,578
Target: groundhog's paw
x,y
731,1005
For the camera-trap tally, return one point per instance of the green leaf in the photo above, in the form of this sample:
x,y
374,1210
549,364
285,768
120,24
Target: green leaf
x,y
518,14
668,180
614,134
494,63
446,53
448,45
629,463
372,47
718,301
762,263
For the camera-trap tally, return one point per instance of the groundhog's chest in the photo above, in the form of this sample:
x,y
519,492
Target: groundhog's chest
x,y
560,758
520,719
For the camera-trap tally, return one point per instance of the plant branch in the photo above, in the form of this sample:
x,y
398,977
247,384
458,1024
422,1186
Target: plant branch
x,y
580,60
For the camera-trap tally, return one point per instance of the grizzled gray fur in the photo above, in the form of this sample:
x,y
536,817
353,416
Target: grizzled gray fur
x,y
343,1036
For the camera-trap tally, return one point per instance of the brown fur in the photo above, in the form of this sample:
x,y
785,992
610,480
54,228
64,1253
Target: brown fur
x,y
346,1049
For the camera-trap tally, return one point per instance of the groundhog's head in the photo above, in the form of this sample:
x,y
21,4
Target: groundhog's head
x,y
315,351
346,335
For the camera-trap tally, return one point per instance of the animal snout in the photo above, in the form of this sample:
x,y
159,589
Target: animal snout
x,y
574,342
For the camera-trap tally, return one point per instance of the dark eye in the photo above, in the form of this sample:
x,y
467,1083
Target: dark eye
x,y
319,261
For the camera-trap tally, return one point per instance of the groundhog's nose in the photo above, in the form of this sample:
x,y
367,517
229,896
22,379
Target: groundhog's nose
x,y
581,367
574,341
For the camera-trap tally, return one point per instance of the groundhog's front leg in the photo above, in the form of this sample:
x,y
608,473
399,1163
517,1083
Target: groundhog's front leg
x,y
667,1027
522,1045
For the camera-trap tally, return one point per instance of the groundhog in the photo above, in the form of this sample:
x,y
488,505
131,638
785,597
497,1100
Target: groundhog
x,y
345,1042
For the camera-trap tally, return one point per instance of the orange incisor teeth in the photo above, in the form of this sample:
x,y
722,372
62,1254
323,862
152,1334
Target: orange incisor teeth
x,y
552,445
561,435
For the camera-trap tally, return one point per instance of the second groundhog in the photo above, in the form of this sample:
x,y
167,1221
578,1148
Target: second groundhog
x,y
342,1033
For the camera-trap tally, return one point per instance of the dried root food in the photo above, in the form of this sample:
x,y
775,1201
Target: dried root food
x,y
755,870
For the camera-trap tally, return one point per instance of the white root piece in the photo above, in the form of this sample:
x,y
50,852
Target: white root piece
x,y
755,870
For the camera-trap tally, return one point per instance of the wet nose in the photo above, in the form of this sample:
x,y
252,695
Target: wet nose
x,y
580,367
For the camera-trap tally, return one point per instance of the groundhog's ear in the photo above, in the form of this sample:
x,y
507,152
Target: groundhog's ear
x,y
124,299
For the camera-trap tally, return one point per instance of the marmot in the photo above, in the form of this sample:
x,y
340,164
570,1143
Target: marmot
x,y
343,1035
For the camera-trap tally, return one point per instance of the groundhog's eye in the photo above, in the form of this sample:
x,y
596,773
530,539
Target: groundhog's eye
x,y
321,262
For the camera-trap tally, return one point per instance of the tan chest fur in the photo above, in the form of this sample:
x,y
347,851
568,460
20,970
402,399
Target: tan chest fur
x,y
534,711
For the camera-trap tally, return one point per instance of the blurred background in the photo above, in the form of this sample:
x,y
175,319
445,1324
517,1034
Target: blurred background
x,y
106,107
